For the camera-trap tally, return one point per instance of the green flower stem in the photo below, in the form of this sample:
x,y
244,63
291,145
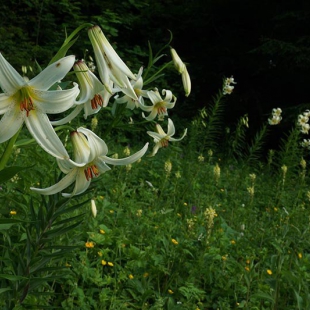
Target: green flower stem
x,y
8,151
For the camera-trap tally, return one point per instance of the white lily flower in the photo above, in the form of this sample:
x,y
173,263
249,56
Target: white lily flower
x,y
161,138
110,65
29,102
89,148
160,105
137,86
181,68
93,95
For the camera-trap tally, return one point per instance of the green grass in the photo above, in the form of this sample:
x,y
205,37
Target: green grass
x,y
155,227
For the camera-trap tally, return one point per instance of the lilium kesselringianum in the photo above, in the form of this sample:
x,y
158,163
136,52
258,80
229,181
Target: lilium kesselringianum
x,y
110,65
93,95
30,102
161,138
88,147
160,106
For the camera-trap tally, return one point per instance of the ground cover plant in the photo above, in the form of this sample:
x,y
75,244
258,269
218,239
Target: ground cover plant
x,y
94,217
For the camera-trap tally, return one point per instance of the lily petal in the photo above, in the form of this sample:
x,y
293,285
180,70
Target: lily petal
x,y
10,79
56,101
11,121
5,103
125,161
58,187
53,73
81,184
97,146
151,116
184,134
171,128
69,117
41,129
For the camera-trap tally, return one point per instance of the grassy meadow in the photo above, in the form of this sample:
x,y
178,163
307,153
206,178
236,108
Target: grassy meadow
x,y
216,221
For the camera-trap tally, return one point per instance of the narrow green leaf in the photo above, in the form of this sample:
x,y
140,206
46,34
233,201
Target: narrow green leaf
x,y
3,290
12,277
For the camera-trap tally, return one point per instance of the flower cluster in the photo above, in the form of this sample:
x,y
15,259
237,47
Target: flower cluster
x,y
276,117
227,87
31,101
302,122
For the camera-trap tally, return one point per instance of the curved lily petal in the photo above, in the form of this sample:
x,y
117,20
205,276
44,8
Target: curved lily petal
x,y
154,96
69,117
97,146
81,147
5,103
58,187
125,161
53,73
146,108
101,165
151,116
81,184
168,94
184,134
11,121
56,101
10,79
157,137
65,165
171,128
41,129
155,149
89,83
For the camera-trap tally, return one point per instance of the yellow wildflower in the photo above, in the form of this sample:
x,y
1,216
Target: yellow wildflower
x,y
174,241
170,291
299,255
102,231
100,254
130,276
13,212
89,244
233,242
103,262
269,271
110,264
111,211
247,268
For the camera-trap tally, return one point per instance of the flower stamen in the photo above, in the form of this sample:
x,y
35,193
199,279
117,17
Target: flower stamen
x,y
96,101
91,172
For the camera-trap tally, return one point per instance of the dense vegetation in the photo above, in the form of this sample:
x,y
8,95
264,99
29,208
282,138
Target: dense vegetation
x,y
219,220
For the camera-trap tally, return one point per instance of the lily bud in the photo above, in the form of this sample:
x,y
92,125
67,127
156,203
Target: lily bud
x,y
93,208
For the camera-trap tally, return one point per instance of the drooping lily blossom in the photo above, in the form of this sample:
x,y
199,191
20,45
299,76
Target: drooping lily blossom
x,y
110,65
30,102
93,95
161,138
137,86
89,148
160,105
